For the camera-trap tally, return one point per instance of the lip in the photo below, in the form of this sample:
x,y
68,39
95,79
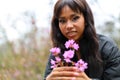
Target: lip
x,y
71,33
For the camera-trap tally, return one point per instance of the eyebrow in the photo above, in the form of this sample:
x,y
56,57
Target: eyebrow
x,y
75,14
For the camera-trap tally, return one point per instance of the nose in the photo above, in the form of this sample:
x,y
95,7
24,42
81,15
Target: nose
x,y
69,25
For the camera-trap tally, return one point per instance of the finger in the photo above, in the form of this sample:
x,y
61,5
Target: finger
x,y
65,78
83,76
65,74
65,69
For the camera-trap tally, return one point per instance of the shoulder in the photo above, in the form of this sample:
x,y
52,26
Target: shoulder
x,y
106,42
104,39
107,47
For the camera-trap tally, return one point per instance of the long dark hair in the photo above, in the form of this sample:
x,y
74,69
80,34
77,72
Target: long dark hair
x,y
89,47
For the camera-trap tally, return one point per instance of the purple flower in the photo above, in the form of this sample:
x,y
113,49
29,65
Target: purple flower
x,y
55,51
76,46
68,55
71,44
81,65
58,59
67,60
53,63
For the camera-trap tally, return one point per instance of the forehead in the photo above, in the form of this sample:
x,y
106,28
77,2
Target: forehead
x,y
67,11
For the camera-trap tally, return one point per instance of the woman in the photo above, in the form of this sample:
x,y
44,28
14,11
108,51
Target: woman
x,y
73,19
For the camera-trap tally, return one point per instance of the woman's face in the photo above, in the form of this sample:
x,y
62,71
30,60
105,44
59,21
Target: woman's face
x,y
71,24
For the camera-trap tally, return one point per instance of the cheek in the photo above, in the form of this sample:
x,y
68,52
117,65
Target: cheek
x,y
82,26
80,30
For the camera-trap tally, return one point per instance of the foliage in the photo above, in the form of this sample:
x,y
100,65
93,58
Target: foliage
x,y
25,58
23,65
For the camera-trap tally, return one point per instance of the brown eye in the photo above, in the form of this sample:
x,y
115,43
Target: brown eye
x,y
62,21
75,18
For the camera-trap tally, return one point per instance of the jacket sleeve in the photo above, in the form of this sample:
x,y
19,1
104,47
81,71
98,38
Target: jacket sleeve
x,y
48,67
111,58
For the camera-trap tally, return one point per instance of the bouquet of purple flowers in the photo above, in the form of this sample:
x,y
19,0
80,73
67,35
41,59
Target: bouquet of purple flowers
x,y
67,56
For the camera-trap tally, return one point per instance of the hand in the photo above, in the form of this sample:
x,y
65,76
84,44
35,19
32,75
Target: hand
x,y
67,73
